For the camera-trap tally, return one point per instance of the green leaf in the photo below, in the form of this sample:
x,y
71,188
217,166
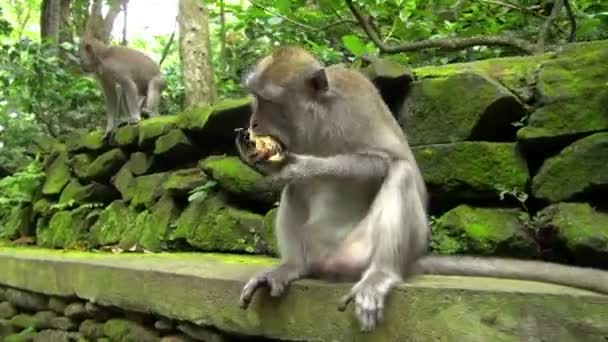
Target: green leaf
x,y
355,45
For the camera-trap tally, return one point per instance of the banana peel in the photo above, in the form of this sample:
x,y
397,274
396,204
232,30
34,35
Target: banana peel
x,y
267,145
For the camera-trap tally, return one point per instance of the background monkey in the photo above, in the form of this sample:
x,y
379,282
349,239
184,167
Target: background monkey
x,y
354,203
137,74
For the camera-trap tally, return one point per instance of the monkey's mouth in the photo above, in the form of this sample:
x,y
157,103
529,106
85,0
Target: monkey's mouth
x,y
265,145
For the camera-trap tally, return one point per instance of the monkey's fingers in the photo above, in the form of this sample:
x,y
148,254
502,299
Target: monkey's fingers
x,y
345,300
249,289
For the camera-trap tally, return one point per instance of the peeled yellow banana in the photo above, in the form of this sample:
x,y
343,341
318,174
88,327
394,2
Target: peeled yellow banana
x,y
267,144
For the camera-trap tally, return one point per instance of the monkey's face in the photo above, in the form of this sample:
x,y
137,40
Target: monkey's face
x,y
272,118
87,60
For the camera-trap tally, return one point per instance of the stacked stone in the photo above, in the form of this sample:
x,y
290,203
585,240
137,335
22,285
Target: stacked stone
x,y
514,152
27,316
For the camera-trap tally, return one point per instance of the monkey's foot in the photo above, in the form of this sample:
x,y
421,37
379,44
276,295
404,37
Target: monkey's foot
x,y
369,295
277,279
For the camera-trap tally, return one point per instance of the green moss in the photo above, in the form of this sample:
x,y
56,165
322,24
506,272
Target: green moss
x,y
180,182
486,231
140,163
147,189
175,141
433,114
125,135
212,225
151,227
236,177
471,169
85,141
578,168
583,230
26,335
196,118
572,89
124,182
116,219
269,232
80,164
89,193
67,229
57,175
18,223
150,129
42,206
106,164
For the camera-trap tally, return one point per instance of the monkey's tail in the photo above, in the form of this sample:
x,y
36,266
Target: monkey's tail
x,y
580,277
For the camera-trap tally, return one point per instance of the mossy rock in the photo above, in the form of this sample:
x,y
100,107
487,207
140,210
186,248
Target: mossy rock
x,y
125,136
212,225
574,96
151,228
91,141
80,164
57,175
152,128
111,225
471,169
269,231
581,229
20,222
106,165
485,231
140,163
119,329
147,189
174,142
92,192
6,329
219,120
179,183
439,111
578,170
68,228
42,206
26,335
237,178
392,79
124,181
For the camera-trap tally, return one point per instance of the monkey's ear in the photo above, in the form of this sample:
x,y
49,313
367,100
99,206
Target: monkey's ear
x,y
318,81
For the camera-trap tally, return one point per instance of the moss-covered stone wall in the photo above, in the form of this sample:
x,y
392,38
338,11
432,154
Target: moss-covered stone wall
x,y
513,150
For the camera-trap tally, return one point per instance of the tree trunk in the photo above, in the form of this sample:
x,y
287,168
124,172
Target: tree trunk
x,y
66,29
50,16
195,53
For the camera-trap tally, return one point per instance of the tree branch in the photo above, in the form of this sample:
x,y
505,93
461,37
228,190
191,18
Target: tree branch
x,y
168,46
557,7
572,19
446,44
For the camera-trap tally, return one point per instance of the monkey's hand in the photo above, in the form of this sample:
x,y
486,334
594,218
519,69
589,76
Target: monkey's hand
x,y
369,295
263,153
277,279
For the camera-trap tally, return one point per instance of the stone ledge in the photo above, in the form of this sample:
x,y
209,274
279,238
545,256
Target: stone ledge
x,y
204,288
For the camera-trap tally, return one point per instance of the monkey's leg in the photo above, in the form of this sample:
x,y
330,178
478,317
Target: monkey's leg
x,y
153,96
398,228
132,97
109,91
292,267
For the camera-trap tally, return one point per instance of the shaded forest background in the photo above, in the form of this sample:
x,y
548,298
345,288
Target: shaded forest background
x,y
44,95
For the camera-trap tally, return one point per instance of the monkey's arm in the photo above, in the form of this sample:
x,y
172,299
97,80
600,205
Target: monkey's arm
x,y
368,165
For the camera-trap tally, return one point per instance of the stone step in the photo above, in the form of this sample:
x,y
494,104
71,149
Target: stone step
x,y
204,288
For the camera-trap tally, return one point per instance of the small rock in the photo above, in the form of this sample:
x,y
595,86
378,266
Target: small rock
x,y
24,321
7,310
6,328
27,300
44,318
56,336
125,330
57,304
76,311
63,323
91,329
163,325
201,333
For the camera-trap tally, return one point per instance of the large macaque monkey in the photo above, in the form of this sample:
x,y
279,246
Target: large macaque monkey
x,y
354,203
138,76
